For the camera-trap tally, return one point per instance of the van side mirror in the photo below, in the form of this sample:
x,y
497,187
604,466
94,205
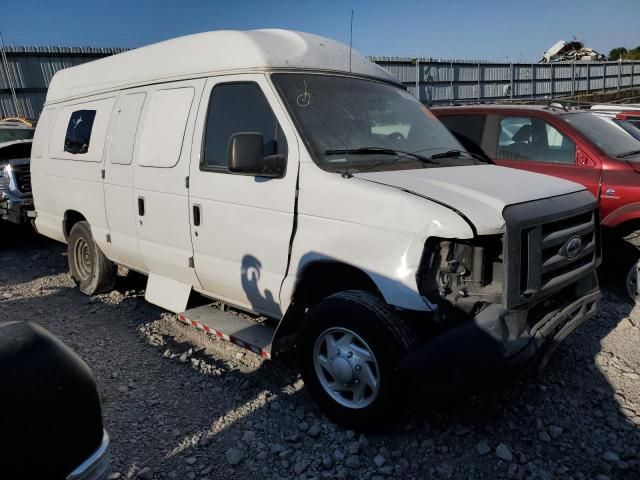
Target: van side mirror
x,y
246,157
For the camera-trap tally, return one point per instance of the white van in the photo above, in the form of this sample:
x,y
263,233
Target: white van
x,y
285,176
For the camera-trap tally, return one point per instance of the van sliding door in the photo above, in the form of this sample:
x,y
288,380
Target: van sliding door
x,y
161,202
118,181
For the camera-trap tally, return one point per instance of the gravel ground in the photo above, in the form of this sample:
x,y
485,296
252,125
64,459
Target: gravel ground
x,y
180,404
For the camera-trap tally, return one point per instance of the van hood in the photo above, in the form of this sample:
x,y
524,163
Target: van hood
x,y
478,192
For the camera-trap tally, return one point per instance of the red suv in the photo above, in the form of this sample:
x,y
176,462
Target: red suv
x,y
572,144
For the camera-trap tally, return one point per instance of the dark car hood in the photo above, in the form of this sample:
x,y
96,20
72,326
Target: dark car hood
x,y
49,405
17,150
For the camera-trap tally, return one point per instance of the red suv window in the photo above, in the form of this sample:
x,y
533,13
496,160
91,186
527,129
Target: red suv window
x,y
532,139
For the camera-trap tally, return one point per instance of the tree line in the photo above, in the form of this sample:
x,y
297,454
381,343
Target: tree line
x,y
622,53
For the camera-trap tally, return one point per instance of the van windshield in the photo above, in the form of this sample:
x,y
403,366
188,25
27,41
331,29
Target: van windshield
x,y
356,125
613,139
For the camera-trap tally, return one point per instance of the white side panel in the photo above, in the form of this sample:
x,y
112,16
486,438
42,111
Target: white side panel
x,y
375,228
48,223
43,130
167,293
63,181
118,184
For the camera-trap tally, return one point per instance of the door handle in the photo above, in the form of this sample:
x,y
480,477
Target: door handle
x,y
141,206
196,215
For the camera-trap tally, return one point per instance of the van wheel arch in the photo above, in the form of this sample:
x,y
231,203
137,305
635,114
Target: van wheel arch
x,y
317,281
71,217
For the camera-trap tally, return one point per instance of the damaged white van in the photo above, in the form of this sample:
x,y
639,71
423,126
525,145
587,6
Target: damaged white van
x,y
279,175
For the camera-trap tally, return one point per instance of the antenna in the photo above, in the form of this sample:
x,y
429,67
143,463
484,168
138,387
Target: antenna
x,y
350,40
346,173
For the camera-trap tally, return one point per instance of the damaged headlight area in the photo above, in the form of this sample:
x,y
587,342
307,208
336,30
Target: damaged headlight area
x,y
462,277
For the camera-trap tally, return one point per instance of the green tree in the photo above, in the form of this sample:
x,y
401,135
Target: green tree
x,y
633,54
616,53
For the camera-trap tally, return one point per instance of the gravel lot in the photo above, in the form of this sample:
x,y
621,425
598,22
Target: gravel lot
x,y
179,404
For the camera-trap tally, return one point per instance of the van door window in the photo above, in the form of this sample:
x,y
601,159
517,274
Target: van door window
x,y
79,131
532,139
236,108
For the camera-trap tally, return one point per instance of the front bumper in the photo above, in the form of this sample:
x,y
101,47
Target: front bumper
x,y
96,467
14,208
499,343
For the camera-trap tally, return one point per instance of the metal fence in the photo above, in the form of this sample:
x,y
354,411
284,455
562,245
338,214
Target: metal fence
x,y
30,69
433,81
436,81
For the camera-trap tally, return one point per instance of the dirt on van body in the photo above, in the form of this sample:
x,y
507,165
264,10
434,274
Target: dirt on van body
x,y
179,404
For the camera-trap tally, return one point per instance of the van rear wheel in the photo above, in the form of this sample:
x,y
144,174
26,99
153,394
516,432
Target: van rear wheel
x,y
90,269
349,348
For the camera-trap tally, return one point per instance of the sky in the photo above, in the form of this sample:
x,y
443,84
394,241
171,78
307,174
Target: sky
x,y
514,30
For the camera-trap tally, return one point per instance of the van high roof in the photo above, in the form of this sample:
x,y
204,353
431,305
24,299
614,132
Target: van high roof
x,y
203,54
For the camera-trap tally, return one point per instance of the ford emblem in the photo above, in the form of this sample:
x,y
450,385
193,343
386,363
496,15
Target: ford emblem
x,y
572,247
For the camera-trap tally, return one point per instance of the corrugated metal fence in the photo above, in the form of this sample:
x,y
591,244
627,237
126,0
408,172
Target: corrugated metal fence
x,y
458,81
30,70
438,81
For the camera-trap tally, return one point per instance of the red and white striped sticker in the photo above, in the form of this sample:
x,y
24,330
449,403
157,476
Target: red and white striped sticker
x,y
229,338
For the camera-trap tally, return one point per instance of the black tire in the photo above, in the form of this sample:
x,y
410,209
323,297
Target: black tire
x,y
631,282
389,339
91,270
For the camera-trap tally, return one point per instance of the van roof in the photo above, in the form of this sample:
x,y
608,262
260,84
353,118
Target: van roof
x,y
200,54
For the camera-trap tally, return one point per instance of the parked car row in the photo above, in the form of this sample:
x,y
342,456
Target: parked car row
x,y
294,180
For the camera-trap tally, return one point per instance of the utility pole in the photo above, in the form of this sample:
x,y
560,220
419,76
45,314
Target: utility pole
x,y
8,76
417,77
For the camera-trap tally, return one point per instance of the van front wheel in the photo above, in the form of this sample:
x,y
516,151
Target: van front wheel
x,y
90,269
348,350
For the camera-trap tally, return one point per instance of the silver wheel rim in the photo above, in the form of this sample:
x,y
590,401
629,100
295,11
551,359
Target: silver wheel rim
x,y
82,258
346,367
632,281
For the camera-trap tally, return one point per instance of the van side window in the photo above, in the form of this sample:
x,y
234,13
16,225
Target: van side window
x,y
79,131
532,139
235,108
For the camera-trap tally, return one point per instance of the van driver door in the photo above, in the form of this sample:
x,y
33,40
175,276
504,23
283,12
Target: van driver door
x,y
241,225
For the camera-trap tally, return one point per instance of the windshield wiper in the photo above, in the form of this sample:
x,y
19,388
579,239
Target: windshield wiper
x,y
459,153
379,150
628,154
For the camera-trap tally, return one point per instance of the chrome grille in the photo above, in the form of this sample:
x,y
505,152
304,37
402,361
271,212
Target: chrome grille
x,y
22,175
556,264
550,243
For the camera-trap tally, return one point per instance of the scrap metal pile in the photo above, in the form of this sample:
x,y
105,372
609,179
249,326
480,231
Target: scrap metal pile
x,y
574,50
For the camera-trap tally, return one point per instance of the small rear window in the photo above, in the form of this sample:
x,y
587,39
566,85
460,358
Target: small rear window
x,y
79,131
